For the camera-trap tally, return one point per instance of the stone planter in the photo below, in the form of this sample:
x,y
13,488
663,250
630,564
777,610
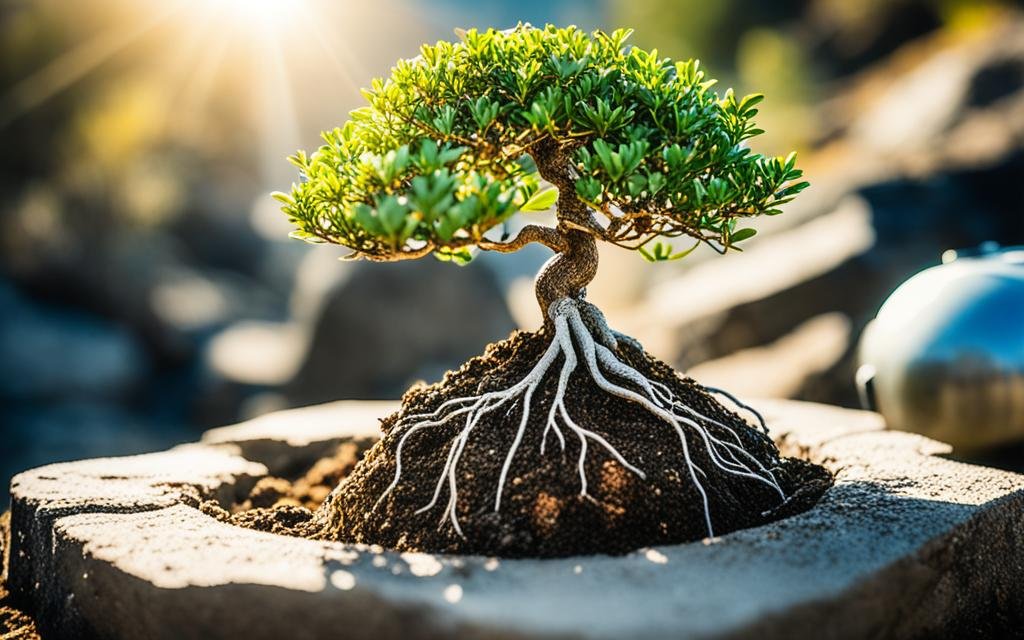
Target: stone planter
x,y
907,544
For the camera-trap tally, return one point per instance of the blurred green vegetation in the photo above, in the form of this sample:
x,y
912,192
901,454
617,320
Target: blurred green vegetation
x,y
793,51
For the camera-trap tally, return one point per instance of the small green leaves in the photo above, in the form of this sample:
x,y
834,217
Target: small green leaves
x,y
589,190
614,164
656,181
541,201
484,111
439,154
444,121
461,257
306,236
431,157
391,214
662,252
603,118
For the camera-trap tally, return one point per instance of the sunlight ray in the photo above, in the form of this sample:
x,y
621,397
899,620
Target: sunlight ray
x,y
201,39
279,123
74,65
341,58
202,75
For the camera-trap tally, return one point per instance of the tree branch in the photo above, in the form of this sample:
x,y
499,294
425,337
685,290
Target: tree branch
x,y
412,254
547,236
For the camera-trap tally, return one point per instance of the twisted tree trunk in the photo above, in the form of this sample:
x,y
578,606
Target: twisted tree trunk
x,y
567,273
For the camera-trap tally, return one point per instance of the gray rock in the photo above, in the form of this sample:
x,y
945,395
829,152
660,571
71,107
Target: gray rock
x,y
38,433
387,325
907,544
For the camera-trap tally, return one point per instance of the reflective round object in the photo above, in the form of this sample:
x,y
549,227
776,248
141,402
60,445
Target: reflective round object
x,y
945,355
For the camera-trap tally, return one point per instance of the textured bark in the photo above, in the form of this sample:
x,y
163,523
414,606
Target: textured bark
x,y
567,274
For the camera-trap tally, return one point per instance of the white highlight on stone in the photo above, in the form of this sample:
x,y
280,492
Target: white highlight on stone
x,y
655,556
344,556
343,580
422,565
453,593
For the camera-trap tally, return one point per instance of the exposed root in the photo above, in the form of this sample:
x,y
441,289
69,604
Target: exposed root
x,y
581,333
741,405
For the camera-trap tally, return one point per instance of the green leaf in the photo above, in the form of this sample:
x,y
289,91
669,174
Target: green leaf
x,y
656,182
365,217
746,106
298,234
659,252
636,184
742,234
685,252
541,201
461,257
391,215
662,252
589,190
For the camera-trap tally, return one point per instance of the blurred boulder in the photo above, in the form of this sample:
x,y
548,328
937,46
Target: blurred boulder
x,y
148,282
244,367
217,232
48,352
848,36
387,325
907,108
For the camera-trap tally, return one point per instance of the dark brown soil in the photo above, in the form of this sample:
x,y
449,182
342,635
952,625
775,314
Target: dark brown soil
x,y
542,512
15,624
286,505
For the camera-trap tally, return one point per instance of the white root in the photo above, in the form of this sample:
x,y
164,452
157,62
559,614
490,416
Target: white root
x,y
741,405
581,332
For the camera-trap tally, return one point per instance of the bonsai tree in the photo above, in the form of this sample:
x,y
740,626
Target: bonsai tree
x,y
569,439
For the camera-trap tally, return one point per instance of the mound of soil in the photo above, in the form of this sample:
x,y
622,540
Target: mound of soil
x,y
542,512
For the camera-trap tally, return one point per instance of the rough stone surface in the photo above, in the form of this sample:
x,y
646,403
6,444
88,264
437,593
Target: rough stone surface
x,y
907,544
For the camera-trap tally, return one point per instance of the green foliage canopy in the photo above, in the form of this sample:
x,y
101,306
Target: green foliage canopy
x,y
441,153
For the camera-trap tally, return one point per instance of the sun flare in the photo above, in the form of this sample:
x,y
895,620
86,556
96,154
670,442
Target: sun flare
x,y
257,14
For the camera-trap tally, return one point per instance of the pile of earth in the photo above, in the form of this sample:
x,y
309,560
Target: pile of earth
x,y
544,513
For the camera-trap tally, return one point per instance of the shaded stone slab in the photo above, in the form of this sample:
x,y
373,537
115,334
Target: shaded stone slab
x,y
296,437
907,544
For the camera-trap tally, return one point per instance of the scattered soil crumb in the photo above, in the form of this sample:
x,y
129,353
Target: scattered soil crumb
x,y
286,506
